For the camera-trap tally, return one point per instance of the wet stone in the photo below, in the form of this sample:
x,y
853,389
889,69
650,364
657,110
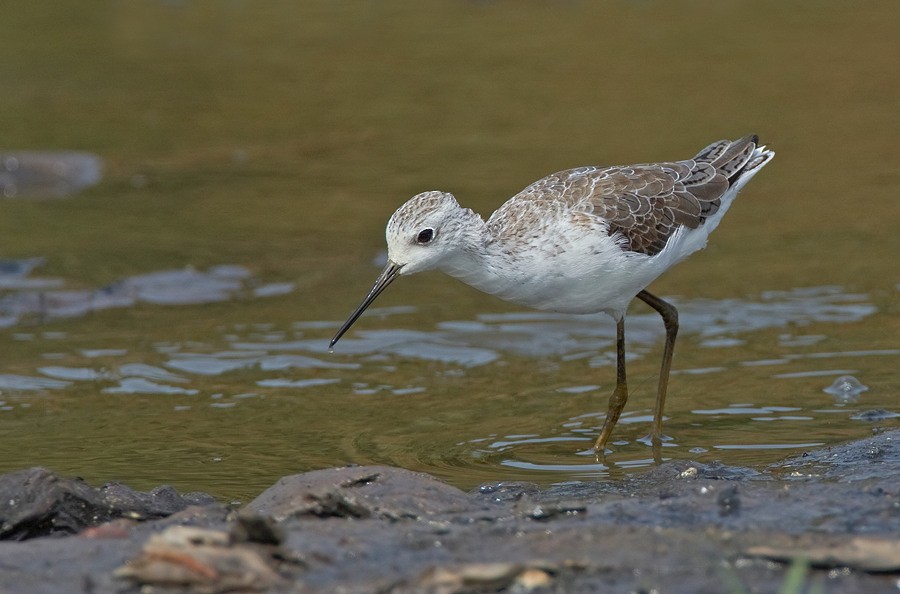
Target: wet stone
x,y
507,491
36,502
359,492
875,415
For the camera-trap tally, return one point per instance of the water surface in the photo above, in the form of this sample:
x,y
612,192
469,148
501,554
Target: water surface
x,y
170,324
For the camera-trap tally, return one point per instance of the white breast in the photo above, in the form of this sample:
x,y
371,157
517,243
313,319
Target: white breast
x,y
579,270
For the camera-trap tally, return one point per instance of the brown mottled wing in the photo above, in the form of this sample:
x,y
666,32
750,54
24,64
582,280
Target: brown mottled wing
x,y
647,203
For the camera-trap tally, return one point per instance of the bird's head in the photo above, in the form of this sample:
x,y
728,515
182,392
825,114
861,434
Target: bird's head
x,y
422,233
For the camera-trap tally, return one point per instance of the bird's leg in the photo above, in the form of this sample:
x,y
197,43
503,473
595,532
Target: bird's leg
x,y
670,320
619,395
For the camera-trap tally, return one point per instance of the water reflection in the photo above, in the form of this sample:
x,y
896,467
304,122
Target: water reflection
x,y
291,374
37,174
460,343
45,298
467,343
17,383
138,385
540,334
846,389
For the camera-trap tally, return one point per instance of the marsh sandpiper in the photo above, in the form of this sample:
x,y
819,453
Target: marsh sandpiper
x,y
584,240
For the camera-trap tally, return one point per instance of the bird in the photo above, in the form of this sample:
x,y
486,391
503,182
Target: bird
x,y
584,241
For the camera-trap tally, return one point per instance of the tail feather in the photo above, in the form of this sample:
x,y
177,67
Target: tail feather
x,y
735,157
756,160
736,162
712,152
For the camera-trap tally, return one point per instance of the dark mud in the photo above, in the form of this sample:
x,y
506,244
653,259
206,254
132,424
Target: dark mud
x,y
828,519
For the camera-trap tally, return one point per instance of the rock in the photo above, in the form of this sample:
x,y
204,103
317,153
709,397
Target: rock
x,y
360,492
477,577
864,553
36,502
204,560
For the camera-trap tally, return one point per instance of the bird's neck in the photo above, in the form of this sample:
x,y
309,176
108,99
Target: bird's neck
x,y
481,262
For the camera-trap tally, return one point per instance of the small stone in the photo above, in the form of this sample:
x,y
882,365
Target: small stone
x,y
689,473
531,579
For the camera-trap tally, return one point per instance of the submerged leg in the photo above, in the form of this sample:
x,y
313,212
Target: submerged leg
x,y
670,319
620,394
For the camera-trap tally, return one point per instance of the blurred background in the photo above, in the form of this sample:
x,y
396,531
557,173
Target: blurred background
x,y
195,193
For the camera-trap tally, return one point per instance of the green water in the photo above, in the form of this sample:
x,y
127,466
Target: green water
x,y
280,137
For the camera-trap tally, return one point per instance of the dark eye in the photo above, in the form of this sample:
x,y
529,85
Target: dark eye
x,y
425,236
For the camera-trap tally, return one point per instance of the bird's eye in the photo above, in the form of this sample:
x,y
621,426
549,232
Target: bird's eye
x,y
425,236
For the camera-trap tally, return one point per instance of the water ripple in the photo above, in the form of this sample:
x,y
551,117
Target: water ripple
x,y
47,298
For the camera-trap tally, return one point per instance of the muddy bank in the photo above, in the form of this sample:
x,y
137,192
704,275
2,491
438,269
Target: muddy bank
x,y
680,527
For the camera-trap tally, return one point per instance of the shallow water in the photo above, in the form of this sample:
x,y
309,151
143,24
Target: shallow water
x,y
502,396
170,324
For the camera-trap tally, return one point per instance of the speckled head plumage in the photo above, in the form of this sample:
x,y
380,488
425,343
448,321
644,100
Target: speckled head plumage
x,y
425,230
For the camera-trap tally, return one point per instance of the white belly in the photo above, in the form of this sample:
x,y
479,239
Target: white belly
x,y
590,274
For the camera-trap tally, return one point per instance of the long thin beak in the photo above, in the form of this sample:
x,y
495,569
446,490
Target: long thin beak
x,y
387,276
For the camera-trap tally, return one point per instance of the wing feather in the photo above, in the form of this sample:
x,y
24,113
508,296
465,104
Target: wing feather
x,y
645,204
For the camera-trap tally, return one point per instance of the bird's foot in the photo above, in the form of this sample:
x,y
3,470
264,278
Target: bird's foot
x,y
654,440
599,453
